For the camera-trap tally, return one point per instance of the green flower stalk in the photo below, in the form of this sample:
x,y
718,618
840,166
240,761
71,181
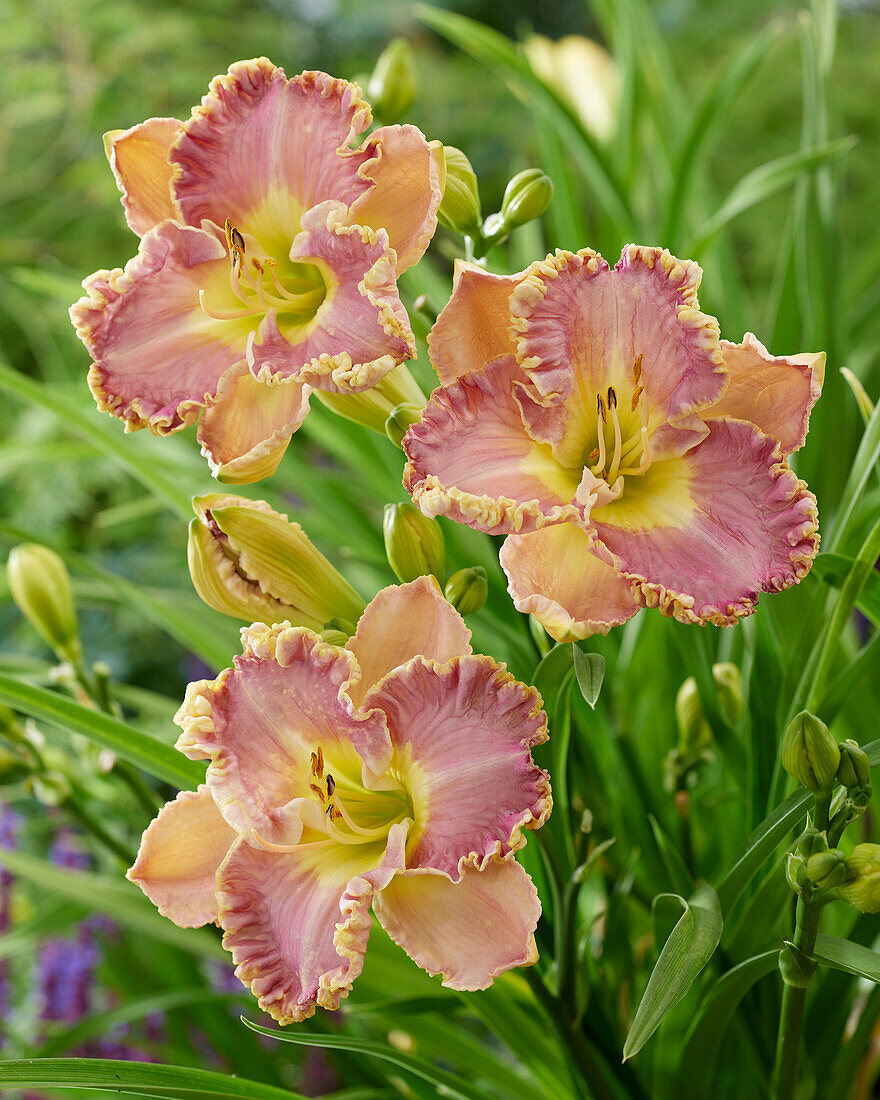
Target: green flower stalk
x,y
40,585
249,562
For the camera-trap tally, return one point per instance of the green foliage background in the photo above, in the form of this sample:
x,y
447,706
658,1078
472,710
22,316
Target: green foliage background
x,y
714,91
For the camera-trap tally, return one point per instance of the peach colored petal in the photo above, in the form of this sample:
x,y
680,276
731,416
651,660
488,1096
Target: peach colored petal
x,y
406,191
361,330
701,536
139,159
402,622
554,576
259,722
582,327
297,924
474,325
470,931
245,428
462,734
262,149
157,355
776,393
471,459
178,858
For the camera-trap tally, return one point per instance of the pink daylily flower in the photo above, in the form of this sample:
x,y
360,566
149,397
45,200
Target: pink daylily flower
x,y
267,266
395,772
632,457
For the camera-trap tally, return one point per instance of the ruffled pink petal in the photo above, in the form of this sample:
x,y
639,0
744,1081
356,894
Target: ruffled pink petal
x,y
361,330
262,149
406,192
178,858
259,723
776,393
471,459
297,924
401,622
582,327
157,355
474,325
139,159
462,733
701,536
470,931
554,575
245,429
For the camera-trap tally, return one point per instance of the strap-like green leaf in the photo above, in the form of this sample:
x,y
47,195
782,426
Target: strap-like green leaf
x,y
691,944
850,957
131,744
450,1083
834,569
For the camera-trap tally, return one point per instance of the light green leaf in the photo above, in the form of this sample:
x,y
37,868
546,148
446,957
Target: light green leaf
x,y
589,668
680,878
834,569
450,1083
120,900
690,946
137,1078
763,182
867,458
852,958
131,744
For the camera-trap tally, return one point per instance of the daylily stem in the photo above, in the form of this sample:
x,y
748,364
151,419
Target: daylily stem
x,y
794,997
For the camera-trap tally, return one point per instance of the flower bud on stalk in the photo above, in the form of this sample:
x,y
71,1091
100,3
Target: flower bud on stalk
x,y
40,585
467,589
863,870
400,421
810,753
414,543
854,769
249,562
460,209
372,408
827,869
392,87
526,197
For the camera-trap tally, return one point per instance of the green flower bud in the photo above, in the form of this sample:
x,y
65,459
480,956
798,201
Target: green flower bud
x,y
810,753
467,589
460,209
694,732
526,197
400,421
372,408
728,684
392,87
811,842
860,797
414,543
827,869
40,585
863,870
335,637
854,769
249,562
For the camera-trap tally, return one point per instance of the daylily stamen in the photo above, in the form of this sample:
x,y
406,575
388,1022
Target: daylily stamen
x,y
289,847
637,370
318,790
618,442
235,243
223,315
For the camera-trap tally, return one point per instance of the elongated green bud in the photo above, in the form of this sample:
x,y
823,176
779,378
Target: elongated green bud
x,y
40,585
810,753
863,870
414,543
460,209
526,197
827,869
400,421
392,87
854,769
467,589
249,562
694,732
372,408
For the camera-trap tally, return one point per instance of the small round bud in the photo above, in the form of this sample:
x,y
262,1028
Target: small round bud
x,y
392,87
526,197
467,589
693,729
860,797
399,422
414,543
854,769
863,871
40,585
728,684
335,637
460,208
810,753
811,842
827,869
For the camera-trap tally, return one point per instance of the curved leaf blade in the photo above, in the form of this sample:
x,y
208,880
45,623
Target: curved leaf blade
x,y
691,944
852,958
589,668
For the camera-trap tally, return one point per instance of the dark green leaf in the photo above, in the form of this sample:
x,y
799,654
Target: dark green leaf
x,y
689,947
834,569
850,957
589,668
